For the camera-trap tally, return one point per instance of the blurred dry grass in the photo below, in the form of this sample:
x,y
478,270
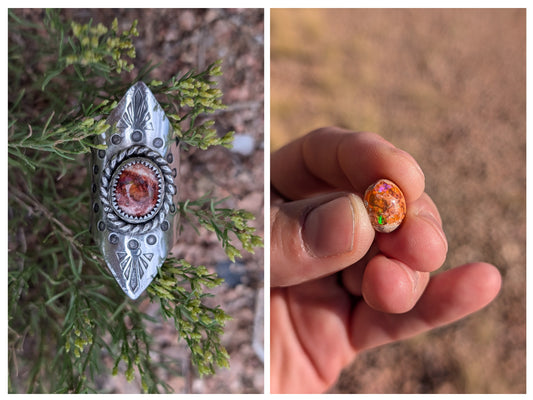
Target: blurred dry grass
x,y
449,87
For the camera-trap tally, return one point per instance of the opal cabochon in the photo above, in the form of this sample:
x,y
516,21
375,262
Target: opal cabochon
x,y
385,204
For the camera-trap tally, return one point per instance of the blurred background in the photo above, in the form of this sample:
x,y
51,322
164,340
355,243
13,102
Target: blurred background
x,y
449,87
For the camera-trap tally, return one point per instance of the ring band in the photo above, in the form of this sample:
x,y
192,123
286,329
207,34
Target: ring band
x,y
134,192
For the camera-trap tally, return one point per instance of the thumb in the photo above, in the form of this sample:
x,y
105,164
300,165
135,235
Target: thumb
x,y
315,237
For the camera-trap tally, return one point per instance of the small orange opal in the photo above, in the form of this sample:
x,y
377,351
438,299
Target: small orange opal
x,y
137,190
385,205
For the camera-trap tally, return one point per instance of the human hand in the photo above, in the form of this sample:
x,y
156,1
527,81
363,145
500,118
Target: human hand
x,y
337,287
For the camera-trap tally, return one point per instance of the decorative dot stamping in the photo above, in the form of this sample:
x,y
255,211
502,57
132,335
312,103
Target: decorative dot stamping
x,y
385,204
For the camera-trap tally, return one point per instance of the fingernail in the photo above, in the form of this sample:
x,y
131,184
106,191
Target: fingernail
x,y
426,214
413,277
432,219
328,229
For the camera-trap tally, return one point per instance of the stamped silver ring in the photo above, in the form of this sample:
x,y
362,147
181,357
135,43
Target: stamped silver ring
x,y
134,191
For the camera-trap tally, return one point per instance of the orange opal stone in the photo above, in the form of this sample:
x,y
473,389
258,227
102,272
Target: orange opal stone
x,y
137,190
385,204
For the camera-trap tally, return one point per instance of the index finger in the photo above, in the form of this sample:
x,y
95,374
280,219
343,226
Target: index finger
x,y
336,159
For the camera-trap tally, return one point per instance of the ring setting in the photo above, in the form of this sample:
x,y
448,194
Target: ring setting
x,y
134,190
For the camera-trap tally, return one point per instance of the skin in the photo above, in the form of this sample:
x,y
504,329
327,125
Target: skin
x,y
337,286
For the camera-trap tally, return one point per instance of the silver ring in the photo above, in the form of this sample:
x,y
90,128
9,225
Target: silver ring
x,y
134,191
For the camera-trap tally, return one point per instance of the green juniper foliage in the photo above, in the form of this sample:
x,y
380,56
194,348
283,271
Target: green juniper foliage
x,y
66,313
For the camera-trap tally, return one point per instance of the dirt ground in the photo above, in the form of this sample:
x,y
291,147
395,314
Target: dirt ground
x,y
181,40
449,87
